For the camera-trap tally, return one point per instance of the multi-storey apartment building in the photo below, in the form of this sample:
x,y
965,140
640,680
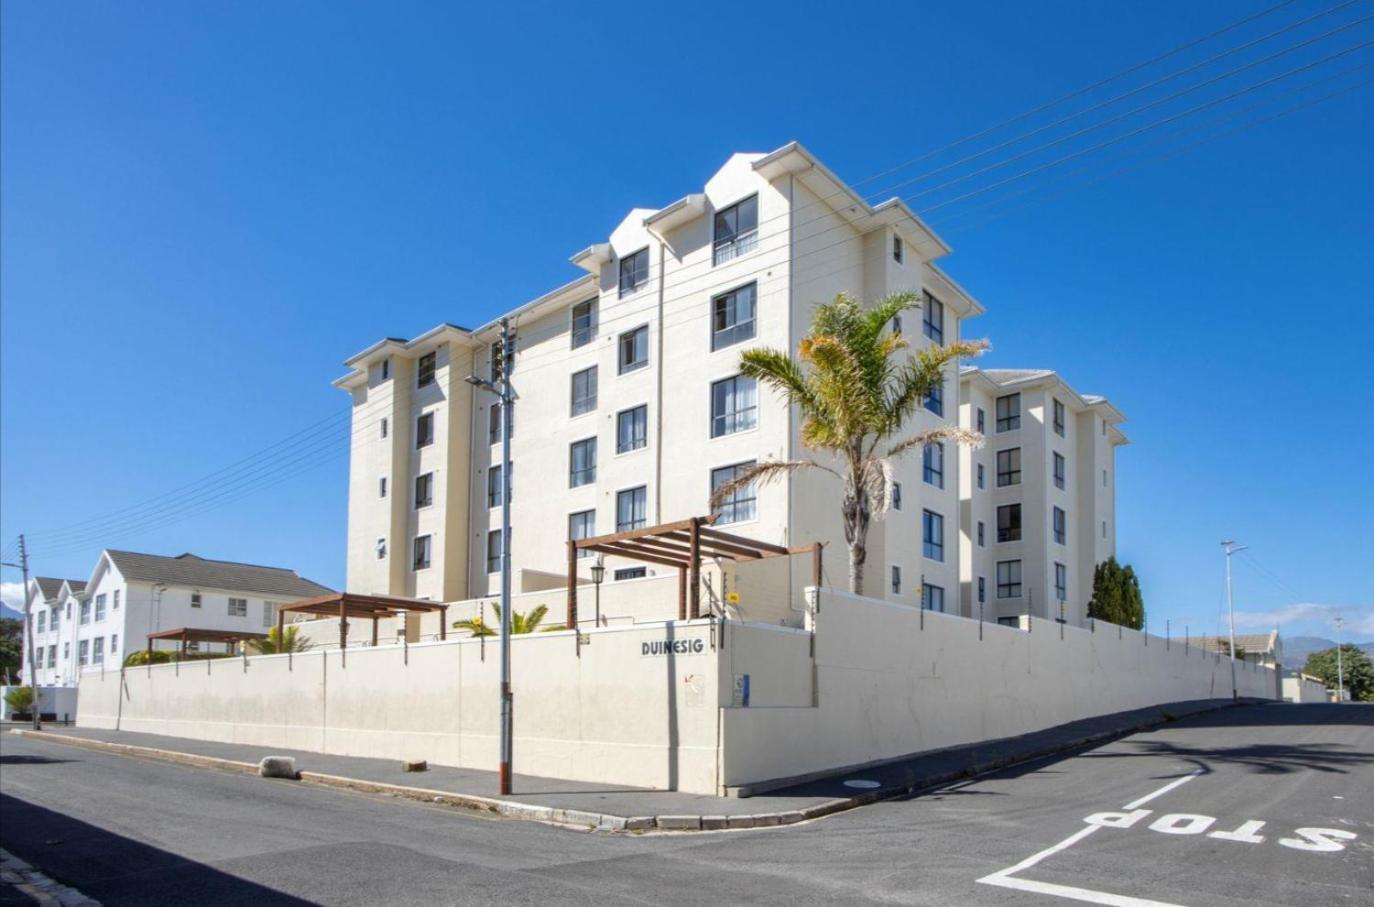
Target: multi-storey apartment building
x,y
130,595
631,407
1038,499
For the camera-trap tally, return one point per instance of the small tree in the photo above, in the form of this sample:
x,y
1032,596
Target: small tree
x,y
11,632
1355,669
1116,595
272,645
519,623
19,699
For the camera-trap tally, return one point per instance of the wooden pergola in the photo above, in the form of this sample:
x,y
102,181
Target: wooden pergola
x,y
194,634
344,605
682,545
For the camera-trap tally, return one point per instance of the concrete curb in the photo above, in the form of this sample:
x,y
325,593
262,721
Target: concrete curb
x,y
591,821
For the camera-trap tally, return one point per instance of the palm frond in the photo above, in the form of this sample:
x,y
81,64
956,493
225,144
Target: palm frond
x,y
762,473
944,433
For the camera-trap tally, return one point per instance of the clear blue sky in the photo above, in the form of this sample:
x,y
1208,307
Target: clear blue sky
x,y
207,207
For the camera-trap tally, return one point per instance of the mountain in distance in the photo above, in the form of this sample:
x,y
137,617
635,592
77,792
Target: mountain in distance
x,y
1297,648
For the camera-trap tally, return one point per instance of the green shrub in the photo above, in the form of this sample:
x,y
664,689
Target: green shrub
x,y
19,699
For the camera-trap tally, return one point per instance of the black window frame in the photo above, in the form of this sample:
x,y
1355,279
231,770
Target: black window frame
x,y
1059,525
587,532
931,548
734,333
898,249
937,398
424,482
1010,588
733,421
1009,525
581,335
744,499
588,402
739,241
933,473
587,474
622,366
1058,469
896,496
642,437
496,484
1061,582
422,543
424,430
1057,410
494,559
896,573
982,534
933,327
982,422
929,593
425,369
1012,420
635,522
1011,475
634,271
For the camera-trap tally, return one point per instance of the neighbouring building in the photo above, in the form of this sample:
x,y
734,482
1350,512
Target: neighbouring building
x,y
130,595
1260,648
1038,500
52,602
631,408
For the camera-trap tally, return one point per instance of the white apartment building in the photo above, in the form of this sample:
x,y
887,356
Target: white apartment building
x,y
630,404
1038,499
129,595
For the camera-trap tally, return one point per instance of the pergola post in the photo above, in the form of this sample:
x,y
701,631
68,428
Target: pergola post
x,y
374,630
681,593
816,564
343,624
443,622
183,648
694,591
281,631
572,584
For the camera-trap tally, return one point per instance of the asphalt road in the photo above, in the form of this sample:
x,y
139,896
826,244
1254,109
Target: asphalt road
x,y
1183,807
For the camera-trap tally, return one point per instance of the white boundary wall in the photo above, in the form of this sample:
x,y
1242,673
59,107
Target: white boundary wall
x,y
890,681
1304,688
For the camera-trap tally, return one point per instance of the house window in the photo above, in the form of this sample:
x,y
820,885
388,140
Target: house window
x,y
496,422
739,506
381,549
83,649
269,613
494,551
982,535
114,606
238,607
495,485
896,580
982,590
1009,523
1059,470
1008,579
424,374
381,487
195,600
52,652
386,425
424,431
1060,532
386,368
982,421
933,464
582,525
634,349
85,612
632,429
631,509
1061,582
933,535
981,474
424,490
496,361
1009,467
737,230
732,316
634,271
100,607
630,573
42,622
933,319
1009,412
584,391
1058,418
422,552
734,405
897,249
583,323
99,651
53,619
935,400
582,463
896,495
933,598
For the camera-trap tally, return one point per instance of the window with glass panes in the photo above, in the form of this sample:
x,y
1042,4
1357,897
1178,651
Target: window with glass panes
x,y
1009,467
496,485
933,464
935,400
736,230
732,317
1009,412
424,490
424,372
582,525
1008,579
1009,523
583,323
933,535
741,503
933,597
1061,582
634,349
634,271
494,551
422,552
582,463
933,319
632,429
734,405
1059,470
1060,526
584,391
631,509
1058,418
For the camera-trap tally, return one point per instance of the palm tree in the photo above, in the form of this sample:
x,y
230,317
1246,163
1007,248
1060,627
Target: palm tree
x,y
519,623
855,393
272,645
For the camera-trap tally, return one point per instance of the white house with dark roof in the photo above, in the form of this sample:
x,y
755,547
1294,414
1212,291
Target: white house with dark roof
x,y
49,602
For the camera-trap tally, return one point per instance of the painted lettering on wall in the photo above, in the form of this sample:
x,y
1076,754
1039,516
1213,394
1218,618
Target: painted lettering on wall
x,y
673,647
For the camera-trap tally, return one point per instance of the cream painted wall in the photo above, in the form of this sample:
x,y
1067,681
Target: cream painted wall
x,y
1301,688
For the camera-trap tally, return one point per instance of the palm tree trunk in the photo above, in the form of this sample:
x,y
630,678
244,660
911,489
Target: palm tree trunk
x,y
857,554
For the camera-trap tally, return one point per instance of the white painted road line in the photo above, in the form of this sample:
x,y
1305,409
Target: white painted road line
x,y
1163,790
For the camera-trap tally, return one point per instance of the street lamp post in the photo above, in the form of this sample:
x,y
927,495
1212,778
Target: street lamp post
x,y
598,574
1340,672
34,707
1231,548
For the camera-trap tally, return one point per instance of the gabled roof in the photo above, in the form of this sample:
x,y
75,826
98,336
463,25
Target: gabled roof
x,y
73,587
191,570
1248,643
1005,376
48,586
996,379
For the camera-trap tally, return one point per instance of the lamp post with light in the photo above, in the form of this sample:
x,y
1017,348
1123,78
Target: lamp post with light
x,y
598,574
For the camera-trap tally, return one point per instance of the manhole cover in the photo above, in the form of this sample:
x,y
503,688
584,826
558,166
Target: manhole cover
x,y
862,783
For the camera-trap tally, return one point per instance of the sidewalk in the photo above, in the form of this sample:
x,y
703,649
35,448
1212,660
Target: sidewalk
x,y
595,806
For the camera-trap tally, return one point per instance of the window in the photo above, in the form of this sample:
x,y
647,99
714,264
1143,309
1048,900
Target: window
x,y
114,646
933,464
732,316
100,607
896,580
740,505
981,473
52,654
634,271
1009,467
238,607
1008,579
582,525
386,368
42,623
494,551
1060,532
734,405
1009,412
269,613
114,606
634,349
195,600
982,535
935,400
495,486
386,425
631,508
83,649
582,463
982,421
496,362
933,598
98,656
424,490
86,612
381,487
53,618
982,590
1059,470
495,423
424,431
1061,582
632,429
897,249
381,549
896,495
422,552
424,373
933,535
584,391
1058,418
933,319
1009,523
737,230
630,573
583,323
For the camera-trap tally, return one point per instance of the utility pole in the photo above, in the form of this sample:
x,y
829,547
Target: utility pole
x,y
502,389
1340,674
1231,548
23,565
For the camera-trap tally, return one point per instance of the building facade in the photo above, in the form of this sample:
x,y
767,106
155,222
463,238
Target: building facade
x,y
1038,499
630,406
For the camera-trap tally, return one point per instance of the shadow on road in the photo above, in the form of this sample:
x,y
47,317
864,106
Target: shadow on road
x,y
31,760
115,869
